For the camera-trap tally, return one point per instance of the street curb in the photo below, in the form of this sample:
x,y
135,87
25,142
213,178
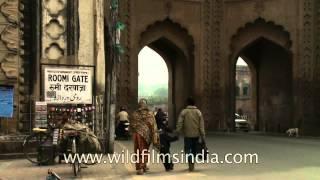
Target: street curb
x,y
8,156
283,135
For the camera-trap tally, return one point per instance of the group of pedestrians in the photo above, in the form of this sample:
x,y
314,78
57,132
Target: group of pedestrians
x,y
149,129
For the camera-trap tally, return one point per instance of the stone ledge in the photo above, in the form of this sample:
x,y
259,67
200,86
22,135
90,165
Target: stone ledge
x,y
12,138
11,147
12,156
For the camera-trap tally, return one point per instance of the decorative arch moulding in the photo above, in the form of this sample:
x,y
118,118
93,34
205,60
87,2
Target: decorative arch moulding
x,y
174,25
272,28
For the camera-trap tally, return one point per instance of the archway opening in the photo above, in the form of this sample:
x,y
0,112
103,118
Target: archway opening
x,y
244,96
271,82
153,79
180,75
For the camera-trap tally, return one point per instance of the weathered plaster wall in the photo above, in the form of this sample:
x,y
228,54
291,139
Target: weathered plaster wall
x,y
99,45
87,32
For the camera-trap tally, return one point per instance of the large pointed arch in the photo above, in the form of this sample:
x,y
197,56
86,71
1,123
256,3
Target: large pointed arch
x,y
174,43
254,37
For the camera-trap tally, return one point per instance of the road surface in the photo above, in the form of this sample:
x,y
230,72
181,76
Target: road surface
x,y
279,158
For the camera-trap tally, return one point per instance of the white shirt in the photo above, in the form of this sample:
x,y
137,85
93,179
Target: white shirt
x,y
123,116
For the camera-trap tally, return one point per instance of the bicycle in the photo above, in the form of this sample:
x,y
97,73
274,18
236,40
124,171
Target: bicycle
x,y
32,145
40,137
73,139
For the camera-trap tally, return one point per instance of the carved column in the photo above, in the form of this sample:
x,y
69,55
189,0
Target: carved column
x,y
10,37
11,64
123,85
306,64
207,80
317,59
54,24
216,98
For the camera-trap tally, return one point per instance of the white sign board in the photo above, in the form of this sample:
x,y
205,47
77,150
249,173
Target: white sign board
x,y
67,86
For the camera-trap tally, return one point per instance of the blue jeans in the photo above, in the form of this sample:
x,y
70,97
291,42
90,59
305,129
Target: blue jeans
x,y
190,148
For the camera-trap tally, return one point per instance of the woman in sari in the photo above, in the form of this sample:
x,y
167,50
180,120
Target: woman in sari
x,y
144,129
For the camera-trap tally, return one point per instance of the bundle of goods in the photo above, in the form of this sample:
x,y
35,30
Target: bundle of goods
x,y
88,142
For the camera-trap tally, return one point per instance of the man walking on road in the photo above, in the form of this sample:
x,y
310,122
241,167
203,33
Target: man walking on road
x,y
191,125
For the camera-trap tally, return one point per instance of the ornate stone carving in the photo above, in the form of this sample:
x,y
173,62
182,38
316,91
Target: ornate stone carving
x,y
10,10
207,24
306,60
54,7
10,66
10,36
54,29
11,39
265,29
54,52
171,25
54,26
214,89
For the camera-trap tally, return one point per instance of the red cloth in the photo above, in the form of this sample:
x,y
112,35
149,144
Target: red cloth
x,y
140,145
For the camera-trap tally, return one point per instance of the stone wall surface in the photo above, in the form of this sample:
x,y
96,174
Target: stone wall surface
x,y
11,65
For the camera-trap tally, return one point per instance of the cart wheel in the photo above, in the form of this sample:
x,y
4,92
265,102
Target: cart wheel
x,y
75,165
31,147
76,168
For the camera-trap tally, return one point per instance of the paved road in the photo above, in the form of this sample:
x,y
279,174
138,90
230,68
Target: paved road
x,y
279,158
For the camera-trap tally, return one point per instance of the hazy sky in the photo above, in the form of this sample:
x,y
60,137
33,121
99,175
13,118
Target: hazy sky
x,y
241,62
153,70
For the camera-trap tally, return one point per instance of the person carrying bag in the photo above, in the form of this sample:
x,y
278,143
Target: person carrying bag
x,y
191,125
202,149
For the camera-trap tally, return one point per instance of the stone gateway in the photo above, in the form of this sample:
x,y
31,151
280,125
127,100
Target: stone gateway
x,y
200,41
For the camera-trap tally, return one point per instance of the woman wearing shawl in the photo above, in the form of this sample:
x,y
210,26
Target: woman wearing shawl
x,y
144,129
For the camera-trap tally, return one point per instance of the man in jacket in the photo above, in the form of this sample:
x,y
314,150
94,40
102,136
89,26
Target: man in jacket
x,y
191,125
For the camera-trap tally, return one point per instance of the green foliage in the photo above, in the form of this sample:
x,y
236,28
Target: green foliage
x,y
157,100
156,94
120,25
153,90
119,49
162,92
114,4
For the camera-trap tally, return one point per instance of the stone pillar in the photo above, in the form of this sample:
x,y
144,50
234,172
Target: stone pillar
x,y
316,70
216,102
100,45
306,118
87,32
